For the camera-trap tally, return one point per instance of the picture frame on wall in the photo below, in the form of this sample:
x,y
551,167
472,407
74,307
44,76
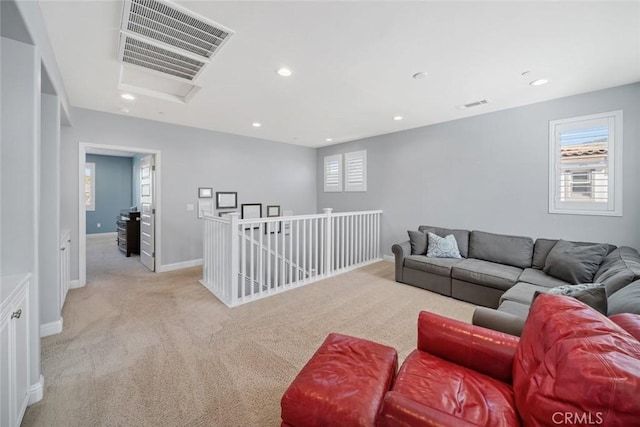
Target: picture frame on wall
x,y
205,192
225,214
273,211
205,207
251,211
226,199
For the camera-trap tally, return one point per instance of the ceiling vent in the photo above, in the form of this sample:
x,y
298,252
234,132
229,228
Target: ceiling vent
x,y
162,37
473,104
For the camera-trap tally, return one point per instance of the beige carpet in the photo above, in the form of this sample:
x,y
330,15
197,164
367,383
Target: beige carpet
x,y
145,349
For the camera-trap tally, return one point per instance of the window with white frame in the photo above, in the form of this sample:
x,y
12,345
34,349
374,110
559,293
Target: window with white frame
x,y
90,186
355,168
333,173
585,165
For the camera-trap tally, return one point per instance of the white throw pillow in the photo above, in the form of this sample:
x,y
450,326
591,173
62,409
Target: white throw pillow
x,y
442,247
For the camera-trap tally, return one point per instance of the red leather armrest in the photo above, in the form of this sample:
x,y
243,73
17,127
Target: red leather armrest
x,y
629,322
483,350
400,411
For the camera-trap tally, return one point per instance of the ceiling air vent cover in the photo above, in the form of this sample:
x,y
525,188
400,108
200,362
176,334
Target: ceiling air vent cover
x,y
168,40
473,104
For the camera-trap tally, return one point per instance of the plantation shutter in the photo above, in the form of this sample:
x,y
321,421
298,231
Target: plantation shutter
x,y
356,171
333,173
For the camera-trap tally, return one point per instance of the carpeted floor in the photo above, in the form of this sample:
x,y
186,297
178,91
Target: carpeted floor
x,y
146,349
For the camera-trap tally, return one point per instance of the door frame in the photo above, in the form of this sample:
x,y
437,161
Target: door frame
x,y
82,218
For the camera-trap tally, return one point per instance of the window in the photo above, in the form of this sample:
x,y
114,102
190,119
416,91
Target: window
x,y
355,166
90,186
585,164
333,173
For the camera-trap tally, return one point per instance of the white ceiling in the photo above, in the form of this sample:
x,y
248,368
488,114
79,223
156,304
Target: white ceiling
x,y
353,62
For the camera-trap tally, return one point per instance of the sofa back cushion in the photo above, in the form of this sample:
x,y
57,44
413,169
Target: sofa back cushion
x,y
542,248
571,359
516,251
462,237
618,269
626,300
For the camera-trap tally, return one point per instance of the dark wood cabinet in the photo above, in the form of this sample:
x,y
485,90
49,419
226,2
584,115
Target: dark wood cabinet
x,y
128,224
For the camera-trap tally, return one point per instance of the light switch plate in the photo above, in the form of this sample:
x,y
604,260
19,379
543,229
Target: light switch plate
x,y
191,207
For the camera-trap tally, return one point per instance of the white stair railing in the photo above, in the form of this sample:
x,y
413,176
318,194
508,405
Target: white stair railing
x,y
248,259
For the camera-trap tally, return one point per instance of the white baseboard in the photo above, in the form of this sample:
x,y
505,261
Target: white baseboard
x,y
108,233
179,265
75,284
36,391
51,328
389,258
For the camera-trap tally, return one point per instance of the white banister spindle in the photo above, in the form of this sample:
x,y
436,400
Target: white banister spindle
x,y
328,245
234,259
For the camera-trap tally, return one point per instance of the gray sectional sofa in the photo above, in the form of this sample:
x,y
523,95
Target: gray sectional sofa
x,y
503,272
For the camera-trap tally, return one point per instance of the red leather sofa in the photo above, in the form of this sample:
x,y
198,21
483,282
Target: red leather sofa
x,y
571,366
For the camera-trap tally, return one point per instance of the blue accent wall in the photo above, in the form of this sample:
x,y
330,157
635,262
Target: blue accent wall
x,y
114,191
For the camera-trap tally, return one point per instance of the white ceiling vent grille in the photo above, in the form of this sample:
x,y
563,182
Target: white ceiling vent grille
x,y
145,55
164,37
473,104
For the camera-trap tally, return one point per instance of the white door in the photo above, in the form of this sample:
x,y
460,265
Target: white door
x,y
147,213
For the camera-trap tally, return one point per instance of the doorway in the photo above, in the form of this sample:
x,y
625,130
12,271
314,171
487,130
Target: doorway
x,y
151,179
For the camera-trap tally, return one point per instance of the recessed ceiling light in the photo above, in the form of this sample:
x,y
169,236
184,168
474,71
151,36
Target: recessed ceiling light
x,y
524,73
329,139
420,75
538,82
127,96
397,118
256,124
284,72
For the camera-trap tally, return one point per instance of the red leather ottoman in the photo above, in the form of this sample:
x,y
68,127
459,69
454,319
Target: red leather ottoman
x,y
341,385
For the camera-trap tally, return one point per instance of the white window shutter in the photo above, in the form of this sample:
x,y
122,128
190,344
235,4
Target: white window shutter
x,y
355,171
333,173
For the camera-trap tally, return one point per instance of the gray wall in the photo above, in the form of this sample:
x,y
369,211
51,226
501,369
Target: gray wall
x,y
113,191
489,172
260,171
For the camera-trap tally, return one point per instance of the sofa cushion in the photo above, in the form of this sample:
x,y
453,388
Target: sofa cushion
x,y
442,247
418,241
522,292
571,358
542,248
515,251
486,273
515,308
540,278
574,263
455,390
626,300
462,236
619,268
440,266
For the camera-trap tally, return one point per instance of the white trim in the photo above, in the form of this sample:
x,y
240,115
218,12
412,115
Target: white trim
x,y
51,328
614,205
179,265
36,391
75,284
82,219
389,258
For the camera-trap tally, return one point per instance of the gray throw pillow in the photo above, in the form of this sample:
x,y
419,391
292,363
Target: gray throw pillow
x,y
592,294
442,247
418,240
573,263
